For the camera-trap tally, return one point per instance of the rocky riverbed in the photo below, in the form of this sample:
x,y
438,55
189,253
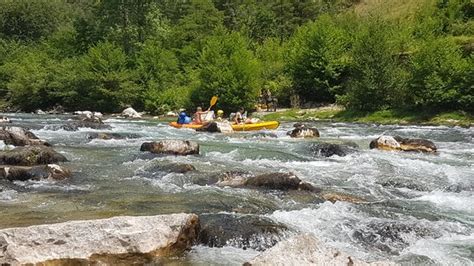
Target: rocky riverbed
x,y
372,204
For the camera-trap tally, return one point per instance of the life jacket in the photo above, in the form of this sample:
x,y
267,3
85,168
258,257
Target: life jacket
x,y
183,118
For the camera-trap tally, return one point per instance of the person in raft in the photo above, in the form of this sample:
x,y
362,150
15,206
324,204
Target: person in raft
x,y
199,116
220,116
241,117
183,118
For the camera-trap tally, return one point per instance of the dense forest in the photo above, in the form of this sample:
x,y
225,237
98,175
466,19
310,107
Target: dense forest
x,y
161,55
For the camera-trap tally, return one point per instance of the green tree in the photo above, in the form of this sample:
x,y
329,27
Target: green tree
x,y
200,21
439,75
34,80
159,74
272,55
317,59
105,83
31,20
376,78
228,69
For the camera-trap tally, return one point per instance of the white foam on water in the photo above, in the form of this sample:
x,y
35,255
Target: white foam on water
x,y
8,195
332,223
463,202
203,255
446,250
116,142
51,184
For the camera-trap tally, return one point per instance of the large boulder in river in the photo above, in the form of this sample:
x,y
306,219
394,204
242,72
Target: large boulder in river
x,y
306,249
170,146
39,172
31,155
398,143
302,131
18,136
4,120
241,231
123,240
131,113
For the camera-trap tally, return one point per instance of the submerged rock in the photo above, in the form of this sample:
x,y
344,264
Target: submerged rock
x,y
131,113
31,155
276,181
173,147
94,123
392,237
279,181
108,136
334,196
241,231
118,240
23,173
159,170
4,120
263,135
305,249
330,149
18,136
302,131
398,143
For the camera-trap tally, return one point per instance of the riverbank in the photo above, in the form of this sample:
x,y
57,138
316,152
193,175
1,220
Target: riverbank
x,y
386,117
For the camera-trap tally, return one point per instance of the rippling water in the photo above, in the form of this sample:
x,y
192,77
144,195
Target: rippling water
x,y
420,210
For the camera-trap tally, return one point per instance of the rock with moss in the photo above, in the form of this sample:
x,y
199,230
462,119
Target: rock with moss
x,y
398,143
241,231
274,181
39,172
31,155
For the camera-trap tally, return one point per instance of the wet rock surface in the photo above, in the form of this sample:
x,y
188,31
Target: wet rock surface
x,y
302,131
279,181
158,170
272,181
390,236
398,143
106,241
242,231
171,147
38,172
18,136
75,125
4,120
330,149
31,155
131,113
335,196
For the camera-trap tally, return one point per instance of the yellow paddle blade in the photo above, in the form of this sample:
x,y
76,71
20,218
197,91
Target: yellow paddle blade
x,y
213,100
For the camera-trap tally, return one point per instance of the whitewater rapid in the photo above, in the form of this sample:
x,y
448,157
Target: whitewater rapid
x,y
420,210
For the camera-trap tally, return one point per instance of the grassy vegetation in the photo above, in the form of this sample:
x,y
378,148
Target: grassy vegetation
x,y
403,117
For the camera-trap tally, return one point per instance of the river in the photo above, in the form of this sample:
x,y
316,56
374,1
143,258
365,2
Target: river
x,y
420,210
